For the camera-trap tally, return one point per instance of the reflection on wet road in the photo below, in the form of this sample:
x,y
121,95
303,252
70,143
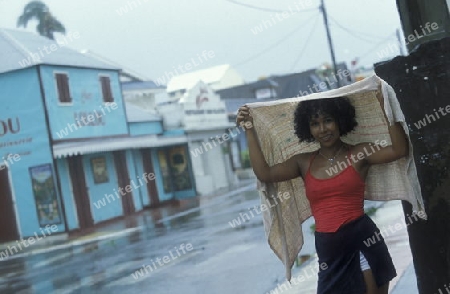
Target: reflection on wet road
x,y
188,248
222,259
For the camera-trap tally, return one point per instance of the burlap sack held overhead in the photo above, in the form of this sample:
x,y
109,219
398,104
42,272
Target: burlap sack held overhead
x,y
275,128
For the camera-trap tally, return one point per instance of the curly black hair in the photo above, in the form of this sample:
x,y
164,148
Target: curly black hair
x,y
339,108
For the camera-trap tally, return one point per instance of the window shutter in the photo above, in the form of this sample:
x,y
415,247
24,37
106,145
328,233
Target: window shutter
x,y
60,87
62,83
106,89
67,97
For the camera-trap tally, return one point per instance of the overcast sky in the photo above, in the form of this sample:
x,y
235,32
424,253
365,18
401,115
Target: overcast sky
x,y
157,36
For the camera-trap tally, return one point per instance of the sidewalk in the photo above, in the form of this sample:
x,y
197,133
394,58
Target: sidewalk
x,y
407,283
398,243
123,226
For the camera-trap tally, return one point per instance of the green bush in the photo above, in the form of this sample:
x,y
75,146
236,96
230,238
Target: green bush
x,y
371,211
245,158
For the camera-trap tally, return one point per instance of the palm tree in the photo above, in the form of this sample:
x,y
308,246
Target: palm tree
x,y
48,24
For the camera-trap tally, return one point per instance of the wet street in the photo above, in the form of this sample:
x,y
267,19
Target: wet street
x,y
196,251
189,249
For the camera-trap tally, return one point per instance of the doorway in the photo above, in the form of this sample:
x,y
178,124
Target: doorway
x,y
80,192
123,180
151,185
8,227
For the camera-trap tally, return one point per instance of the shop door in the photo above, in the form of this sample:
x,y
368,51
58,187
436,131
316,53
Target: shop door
x,y
123,179
151,185
80,193
176,174
8,227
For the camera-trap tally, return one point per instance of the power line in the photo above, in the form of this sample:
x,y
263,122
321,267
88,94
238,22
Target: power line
x,y
358,32
268,9
354,33
277,43
376,46
306,44
356,36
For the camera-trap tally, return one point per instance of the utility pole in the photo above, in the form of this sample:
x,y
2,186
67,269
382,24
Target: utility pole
x,y
330,43
400,43
427,57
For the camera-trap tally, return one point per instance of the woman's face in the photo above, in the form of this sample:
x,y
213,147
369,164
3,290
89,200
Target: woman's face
x,y
324,129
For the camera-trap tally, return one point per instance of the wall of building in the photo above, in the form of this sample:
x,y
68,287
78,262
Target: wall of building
x,y
101,208
203,180
24,135
203,109
103,186
231,78
87,99
209,161
146,128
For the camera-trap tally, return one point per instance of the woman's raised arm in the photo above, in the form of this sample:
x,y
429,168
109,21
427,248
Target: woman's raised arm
x,y
400,144
287,170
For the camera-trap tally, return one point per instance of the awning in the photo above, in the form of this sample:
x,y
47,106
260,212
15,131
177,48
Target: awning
x,y
113,144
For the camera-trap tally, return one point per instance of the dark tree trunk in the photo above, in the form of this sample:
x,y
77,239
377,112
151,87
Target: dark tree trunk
x,y
422,83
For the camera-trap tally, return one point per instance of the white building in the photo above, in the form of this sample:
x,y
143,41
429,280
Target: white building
x,y
205,123
217,77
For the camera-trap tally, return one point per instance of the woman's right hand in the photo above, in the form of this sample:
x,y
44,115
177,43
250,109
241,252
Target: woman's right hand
x,y
244,118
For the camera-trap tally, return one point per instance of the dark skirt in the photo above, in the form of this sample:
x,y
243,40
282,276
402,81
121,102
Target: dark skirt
x,y
340,252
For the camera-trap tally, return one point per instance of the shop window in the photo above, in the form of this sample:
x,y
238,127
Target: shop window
x,y
176,173
180,168
178,159
165,171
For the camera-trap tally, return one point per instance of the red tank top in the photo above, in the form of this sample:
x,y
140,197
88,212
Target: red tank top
x,y
337,200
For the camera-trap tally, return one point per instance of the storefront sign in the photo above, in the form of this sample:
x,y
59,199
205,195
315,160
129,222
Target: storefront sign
x,y
89,118
9,125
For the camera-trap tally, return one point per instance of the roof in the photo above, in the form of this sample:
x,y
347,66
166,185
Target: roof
x,y
286,86
137,114
268,83
18,48
136,85
188,80
232,105
124,73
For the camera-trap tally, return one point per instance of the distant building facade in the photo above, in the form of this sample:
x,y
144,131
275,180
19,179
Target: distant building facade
x,y
70,157
204,120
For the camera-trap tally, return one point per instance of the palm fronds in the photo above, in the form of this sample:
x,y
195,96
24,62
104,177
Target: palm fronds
x,y
48,24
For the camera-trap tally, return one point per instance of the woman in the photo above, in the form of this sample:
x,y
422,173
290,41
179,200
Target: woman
x,y
334,178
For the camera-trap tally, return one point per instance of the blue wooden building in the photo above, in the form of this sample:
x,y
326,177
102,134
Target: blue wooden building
x,y
70,156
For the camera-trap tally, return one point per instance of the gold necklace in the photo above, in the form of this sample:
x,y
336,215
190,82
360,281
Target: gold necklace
x,y
331,160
